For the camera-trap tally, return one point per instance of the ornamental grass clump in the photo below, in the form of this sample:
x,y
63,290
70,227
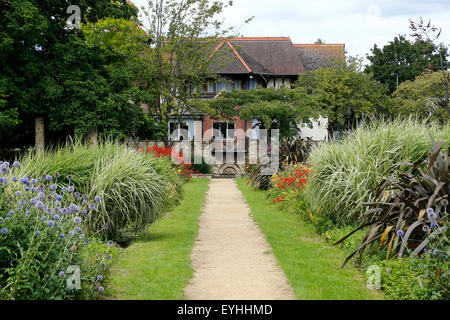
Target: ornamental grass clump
x,y
133,193
347,172
411,228
411,210
134,187
45,250
74,161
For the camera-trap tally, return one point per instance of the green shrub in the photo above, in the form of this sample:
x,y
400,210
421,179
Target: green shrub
x,y
425,278
346,173
203,168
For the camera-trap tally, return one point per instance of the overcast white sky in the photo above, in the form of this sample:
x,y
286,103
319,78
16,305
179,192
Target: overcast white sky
x,y
357,23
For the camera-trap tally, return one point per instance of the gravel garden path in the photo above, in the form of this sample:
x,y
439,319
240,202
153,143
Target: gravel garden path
x,y
231,258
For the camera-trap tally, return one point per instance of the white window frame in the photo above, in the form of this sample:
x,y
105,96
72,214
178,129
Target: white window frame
x,y
179,130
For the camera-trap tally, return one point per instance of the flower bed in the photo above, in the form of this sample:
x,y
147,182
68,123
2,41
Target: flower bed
x,y
185,170
135,187
402,229
46,251
347,172
289,182
59,208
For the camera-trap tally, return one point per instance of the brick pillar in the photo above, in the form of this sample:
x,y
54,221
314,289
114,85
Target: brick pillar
x,y
93,139
39,136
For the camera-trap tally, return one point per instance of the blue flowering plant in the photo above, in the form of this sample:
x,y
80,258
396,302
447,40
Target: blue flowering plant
x,y
46,251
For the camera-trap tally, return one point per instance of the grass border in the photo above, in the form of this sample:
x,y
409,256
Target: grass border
x,y
158,265
312,267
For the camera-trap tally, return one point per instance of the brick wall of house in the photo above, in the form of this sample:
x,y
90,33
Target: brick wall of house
x,y
207,126
243,128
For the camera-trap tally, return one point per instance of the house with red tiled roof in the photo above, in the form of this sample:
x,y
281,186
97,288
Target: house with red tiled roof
x,y
268,61
251,63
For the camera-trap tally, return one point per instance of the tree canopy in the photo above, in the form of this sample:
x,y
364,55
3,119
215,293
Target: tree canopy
x,y
403,58
345,94
96,78
281,109
48,70
423,97
184,35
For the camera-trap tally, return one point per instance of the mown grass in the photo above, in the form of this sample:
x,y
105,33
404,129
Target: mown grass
x,y
312,266
158,265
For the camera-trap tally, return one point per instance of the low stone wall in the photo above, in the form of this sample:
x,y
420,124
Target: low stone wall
x,y
225,169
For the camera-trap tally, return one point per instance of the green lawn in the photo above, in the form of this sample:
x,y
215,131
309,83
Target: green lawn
x,y
312,267
158,266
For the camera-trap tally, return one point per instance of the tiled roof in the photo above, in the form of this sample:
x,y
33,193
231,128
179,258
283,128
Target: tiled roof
x,y
266,55
315,56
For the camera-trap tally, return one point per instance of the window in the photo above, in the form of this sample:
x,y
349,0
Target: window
x,y
211,87
171,130
224,84
183,126
237,84
231,131
224,130
245,85
175,130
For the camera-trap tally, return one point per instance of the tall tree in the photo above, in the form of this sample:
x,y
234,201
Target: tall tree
x,y
345,94
8,117
429,33
424,97
49,71
184,35
403,60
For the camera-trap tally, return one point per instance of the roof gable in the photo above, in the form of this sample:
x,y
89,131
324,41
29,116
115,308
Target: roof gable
x,y
269,56
275,55
232,62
